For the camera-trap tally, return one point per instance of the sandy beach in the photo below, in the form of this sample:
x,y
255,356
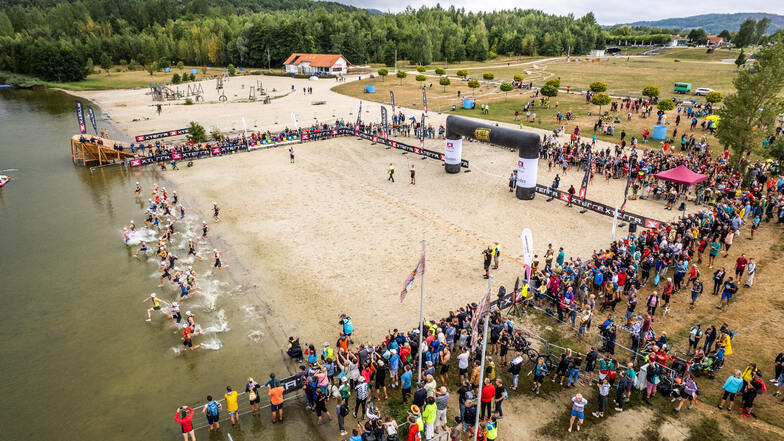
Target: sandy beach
x,y
329,233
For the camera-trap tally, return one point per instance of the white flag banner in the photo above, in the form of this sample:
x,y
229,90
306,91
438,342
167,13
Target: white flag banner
x,y
615,224
294,120
528,246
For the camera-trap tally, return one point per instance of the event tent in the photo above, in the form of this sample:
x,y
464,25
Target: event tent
x,y
681,175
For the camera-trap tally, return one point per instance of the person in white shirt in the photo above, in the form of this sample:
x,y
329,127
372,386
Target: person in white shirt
x,y
751,269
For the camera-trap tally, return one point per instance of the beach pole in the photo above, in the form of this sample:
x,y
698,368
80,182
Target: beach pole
x,y
421,310
482,368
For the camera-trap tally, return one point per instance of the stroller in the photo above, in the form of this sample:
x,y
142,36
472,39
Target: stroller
x,y
709,364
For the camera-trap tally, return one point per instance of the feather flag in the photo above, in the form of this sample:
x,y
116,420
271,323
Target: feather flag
x,y
482,311
418,270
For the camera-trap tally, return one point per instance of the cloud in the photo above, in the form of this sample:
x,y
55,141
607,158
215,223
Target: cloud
x,y
606,11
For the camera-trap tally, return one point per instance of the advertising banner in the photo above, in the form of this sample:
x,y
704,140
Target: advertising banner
x,y
80,117
159,135
587,177
91,114
600,208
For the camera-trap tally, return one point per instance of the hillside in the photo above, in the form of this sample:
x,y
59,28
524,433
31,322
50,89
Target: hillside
x,y
714,23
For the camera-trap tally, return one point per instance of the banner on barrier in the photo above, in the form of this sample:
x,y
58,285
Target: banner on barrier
x,y
409,148
598,207
158,135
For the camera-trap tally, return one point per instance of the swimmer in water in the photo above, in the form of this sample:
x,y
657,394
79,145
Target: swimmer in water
x,y
132,227
204,230
148,220
165,270
175,198
174,313
191,319
138,191
182,210
165,194
142,248
217,263
187,338
126,235
184,291
192,249
156,306
215,211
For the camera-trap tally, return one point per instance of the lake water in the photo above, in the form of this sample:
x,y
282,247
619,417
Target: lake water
x,y
78,361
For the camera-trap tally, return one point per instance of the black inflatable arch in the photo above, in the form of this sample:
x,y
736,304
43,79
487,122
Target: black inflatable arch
x,y
526,143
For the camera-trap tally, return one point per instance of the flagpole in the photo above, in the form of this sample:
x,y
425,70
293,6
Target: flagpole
x,y
421,309
482,369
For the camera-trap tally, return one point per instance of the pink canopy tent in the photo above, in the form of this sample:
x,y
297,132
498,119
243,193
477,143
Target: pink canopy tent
x,y
681,175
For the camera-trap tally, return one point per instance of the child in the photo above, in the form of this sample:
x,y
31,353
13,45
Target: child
x,y
604,392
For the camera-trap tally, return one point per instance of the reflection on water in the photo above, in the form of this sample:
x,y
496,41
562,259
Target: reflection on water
x,y
74,343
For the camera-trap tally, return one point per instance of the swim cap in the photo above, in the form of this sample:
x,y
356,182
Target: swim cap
x,y
214,250
204,222
174,304
152,295
137,182
188,313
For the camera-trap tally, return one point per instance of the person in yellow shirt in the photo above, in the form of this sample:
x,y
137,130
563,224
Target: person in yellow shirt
x,y
231,405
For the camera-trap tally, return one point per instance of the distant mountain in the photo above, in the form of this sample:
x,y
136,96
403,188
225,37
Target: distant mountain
x,y
374,11
714,23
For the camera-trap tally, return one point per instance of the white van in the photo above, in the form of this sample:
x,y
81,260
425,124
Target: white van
x,y
702,91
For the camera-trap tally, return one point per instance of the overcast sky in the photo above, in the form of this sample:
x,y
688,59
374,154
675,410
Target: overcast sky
x,y
606,11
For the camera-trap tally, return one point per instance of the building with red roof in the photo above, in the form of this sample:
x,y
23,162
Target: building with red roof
x,y
314,64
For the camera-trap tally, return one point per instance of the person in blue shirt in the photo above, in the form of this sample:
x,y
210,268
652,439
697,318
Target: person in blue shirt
x,y
355,436
732,386
348,327
405,382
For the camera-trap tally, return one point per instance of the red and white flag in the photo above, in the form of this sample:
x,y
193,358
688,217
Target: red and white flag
x,y
418,270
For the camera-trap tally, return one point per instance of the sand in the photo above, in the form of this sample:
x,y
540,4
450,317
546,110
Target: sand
x,y
330,233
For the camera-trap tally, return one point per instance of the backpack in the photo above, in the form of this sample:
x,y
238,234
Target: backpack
x,y
344,410
252,395
212,408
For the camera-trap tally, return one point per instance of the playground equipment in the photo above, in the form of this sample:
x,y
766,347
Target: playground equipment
x,y
195,91
162,92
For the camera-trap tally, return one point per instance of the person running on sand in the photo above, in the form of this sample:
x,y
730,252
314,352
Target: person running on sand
x,y
184,416
391,173
138,191
413,175
578,411
291,154
488,256
215,212
156,305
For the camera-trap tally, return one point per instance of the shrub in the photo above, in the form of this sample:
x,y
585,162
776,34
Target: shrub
x,y
188,102
555,82
650,91
421,68
518,78
549,90
383,72
232,70
462,73
421,78
665,105
444,82
196,132
598,87
176,79
440,71
488,76
714,97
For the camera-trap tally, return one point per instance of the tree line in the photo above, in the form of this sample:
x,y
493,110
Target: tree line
x,y
54,40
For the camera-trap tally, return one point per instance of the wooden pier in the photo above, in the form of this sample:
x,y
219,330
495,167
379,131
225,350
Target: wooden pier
x,y
90,152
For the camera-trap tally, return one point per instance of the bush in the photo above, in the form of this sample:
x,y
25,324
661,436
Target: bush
x,y
421,78
462,73
444,82
440,71
598,87
601,99
232,70
400,74
714,97
196,132
492,55
188,102
383,72
133,65
549,90
488,76
665,105
555,82
216,134
518,78
421,68
180,65
650,91
106,61
176,79
90,66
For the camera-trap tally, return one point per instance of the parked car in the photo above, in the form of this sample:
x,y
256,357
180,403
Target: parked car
x,y
702,91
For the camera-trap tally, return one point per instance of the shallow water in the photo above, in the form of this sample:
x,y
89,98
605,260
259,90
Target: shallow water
x,y
78,359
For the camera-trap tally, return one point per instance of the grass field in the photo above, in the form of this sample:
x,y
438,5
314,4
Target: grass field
x,y
129,79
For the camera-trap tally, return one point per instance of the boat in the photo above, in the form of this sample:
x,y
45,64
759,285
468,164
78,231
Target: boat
x,y
4,180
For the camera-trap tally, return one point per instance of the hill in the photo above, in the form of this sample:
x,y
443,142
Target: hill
x,y
714,23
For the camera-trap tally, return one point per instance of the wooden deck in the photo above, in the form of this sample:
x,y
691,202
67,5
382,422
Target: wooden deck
x,y
86,153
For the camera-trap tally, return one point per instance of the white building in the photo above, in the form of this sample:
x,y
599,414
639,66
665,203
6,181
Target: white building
x,y
312,64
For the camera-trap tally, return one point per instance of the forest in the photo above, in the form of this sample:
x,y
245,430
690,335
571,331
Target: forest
x,y
57,40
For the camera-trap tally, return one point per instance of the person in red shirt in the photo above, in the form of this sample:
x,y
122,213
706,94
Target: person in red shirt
x,y
413,429
740,266
488,393
184,416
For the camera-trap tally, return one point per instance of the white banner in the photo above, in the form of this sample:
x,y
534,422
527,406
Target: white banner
x,y
294,120
615,223
526,172
528,246
453,151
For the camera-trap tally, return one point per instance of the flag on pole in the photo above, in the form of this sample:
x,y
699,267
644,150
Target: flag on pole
x,y
628,184
422,132
80,117
359,114
528,251
424,97
294,120
418,270
615,224
392,97
482,311
587,177
384,120
92,118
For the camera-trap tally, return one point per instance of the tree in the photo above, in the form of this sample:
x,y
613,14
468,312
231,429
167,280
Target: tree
x,y
440,71
698,36
383,72
745,35
196,132
90,66
598,87
518,78
444,82
473,84
741,60
555,82
232,70
755,103
388,54
549,90
152,68
421,69
488,76
506,88
714,97
462,73
650,91
180,65
725,35
106,62
601,99
400,74
176,78
420,78
665,105
133,65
